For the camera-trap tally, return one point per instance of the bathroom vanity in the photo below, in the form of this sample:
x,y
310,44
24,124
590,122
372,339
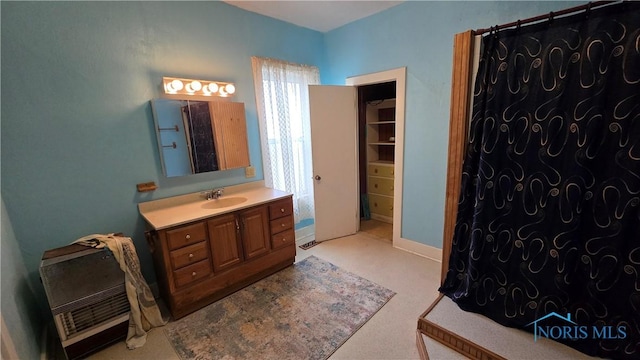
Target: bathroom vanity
x,y
204,250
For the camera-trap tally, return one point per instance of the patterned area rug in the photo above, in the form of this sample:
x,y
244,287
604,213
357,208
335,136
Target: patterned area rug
x,y
305,311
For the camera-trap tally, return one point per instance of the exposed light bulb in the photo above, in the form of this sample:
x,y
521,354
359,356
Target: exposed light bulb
x,y
176,85
196,85
193,87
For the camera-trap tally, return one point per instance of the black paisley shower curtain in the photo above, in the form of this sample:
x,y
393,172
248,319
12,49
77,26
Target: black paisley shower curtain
x,y
549,212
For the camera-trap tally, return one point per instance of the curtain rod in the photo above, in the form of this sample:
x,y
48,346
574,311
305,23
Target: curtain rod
x,y
589,6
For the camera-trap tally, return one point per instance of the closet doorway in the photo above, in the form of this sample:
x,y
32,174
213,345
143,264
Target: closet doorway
x,y
336,154
376,145
381,98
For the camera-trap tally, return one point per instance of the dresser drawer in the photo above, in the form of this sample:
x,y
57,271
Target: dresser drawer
x,y
381,205
380,185
280,208
189,255
380,170
186,235
281,224
192,273
283,239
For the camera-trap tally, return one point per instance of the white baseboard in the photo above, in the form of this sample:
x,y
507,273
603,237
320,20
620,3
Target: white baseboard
x,y
386,219
420,249
305,234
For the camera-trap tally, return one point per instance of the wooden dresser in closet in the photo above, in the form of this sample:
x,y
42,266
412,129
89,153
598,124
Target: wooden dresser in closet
x,y
380,158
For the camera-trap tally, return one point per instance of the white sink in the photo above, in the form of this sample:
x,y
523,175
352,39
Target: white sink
x,y
223,202
182,209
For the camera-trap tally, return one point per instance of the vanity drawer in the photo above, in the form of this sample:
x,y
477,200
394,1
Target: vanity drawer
x,y
380,185
380,204
186,235
381,170
189,255
281,224
283,239
281,208
191,273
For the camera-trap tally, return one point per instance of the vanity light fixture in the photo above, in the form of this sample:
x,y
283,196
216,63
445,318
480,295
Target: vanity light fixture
x,y
175,86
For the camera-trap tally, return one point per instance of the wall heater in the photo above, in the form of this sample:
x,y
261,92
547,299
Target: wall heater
x,y
86,293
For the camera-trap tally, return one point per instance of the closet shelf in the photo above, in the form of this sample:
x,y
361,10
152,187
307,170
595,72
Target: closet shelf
x,y
381,122
381,162
382,143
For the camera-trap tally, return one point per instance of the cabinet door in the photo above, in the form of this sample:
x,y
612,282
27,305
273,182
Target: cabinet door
x,y
230,133
255,231
224,239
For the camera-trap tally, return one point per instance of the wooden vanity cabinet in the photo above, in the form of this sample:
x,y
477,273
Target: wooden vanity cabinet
x,y
204,261
226,249
255,232
281,224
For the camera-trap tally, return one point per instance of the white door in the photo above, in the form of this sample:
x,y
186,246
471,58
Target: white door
x,y
334,155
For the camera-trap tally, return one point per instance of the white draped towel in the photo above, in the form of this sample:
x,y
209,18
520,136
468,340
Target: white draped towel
x,y
144,313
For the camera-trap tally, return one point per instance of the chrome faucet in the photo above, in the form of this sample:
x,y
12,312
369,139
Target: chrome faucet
x,y
212,194
216,193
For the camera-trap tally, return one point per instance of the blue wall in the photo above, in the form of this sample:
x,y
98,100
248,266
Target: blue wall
x,y
20,309
77,129
419,35
77,126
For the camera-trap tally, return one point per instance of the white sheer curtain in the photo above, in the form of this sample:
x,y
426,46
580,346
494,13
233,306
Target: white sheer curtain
x,y
282,99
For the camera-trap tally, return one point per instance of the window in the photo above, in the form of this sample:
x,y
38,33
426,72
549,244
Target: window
x,y
282,99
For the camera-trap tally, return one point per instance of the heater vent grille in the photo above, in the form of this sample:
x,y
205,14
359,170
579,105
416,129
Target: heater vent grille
x,y
89,316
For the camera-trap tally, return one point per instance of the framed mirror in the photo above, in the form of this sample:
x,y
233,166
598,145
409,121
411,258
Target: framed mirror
x,y
200,136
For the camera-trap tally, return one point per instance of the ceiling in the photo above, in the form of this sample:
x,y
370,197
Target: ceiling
x,y
321,16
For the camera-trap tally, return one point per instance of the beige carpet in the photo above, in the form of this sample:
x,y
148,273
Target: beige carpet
x,y
379,229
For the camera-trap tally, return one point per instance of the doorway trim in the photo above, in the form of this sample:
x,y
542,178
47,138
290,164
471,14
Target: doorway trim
x,y
399,75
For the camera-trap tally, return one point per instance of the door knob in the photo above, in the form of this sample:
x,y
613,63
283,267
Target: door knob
x,y
317,177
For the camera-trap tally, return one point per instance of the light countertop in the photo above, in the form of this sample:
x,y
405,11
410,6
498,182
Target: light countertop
x,y
182,209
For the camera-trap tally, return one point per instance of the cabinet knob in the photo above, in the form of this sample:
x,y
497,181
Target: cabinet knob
x,y
188,237
375,186
193,273
375,171
190,256
281,210
283,225
284,239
